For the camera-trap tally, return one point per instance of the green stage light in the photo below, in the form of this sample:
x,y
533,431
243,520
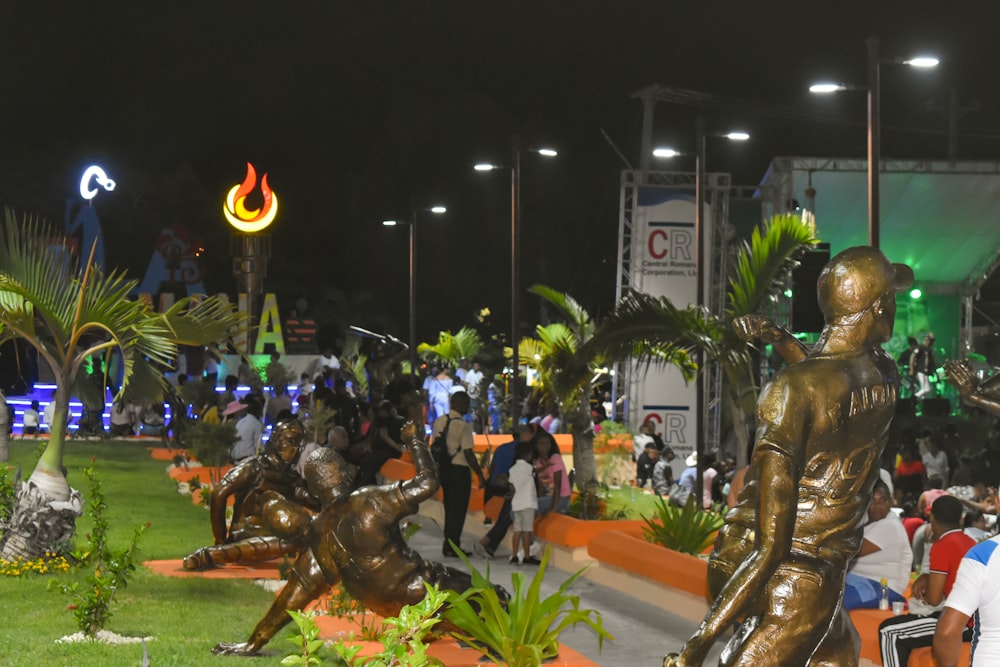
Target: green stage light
x,y
915,293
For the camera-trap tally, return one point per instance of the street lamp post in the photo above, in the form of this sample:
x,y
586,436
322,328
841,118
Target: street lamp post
x,y
515,261
412,223
874,122
874,141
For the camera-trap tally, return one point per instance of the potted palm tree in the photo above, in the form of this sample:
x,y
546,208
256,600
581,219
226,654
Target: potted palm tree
x,y
70,310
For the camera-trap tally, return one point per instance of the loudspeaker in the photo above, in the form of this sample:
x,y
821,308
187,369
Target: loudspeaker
x,y
935,407
806,315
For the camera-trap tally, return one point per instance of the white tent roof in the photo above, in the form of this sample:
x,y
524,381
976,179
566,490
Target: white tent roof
x,y
941,218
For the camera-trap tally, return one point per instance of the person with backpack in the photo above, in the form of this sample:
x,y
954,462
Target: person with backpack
x,y
455,460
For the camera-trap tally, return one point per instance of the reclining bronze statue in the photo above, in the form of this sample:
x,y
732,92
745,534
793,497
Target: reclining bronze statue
x,y
355,541
779,561
264,489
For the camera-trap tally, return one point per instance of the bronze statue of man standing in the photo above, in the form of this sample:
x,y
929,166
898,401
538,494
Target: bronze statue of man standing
x,y
823,422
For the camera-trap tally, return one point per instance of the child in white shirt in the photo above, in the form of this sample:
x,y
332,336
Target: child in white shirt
x,y
524,503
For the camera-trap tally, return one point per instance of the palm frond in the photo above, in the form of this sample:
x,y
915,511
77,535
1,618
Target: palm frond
x,y
654,330
576,314
761,263
452,348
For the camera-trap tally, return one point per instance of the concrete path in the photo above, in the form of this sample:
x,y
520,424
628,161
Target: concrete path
x,y
643,633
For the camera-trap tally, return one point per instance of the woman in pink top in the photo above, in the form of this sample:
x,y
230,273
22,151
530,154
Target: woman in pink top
x,y
552,474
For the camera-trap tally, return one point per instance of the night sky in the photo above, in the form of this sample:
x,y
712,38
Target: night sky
x,y
361,111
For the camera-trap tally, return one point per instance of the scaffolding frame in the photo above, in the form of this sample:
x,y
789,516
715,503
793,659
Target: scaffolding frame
x,y
718,234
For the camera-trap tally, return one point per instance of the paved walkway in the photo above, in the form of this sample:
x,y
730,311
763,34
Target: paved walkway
x,y
643,633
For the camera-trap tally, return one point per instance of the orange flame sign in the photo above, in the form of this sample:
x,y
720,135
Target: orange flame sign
x,y
235,209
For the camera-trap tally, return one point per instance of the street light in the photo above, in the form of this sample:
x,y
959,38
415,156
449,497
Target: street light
x,y
874,121
412,222
515,258
701,136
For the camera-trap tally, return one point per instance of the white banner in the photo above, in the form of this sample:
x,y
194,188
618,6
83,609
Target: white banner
x,y
663,254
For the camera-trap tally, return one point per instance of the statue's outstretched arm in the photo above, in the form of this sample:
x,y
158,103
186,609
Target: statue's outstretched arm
x,y
752,327
425,484
961,376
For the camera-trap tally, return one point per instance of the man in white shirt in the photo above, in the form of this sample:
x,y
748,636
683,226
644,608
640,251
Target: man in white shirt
x,y
976,595
885,554
456,478
249,431
472,379
936,462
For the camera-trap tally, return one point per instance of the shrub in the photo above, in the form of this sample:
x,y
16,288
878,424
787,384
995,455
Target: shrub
x,y
402,638
211,443
686,529
111,569
526,632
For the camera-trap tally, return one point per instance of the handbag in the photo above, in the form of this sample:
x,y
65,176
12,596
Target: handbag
x,y
679,496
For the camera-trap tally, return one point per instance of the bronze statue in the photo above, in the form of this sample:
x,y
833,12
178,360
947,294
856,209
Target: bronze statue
x,y
779,561
356,541
985,395
269,515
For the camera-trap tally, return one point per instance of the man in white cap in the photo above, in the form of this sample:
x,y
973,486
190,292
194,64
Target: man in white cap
x,y
781,557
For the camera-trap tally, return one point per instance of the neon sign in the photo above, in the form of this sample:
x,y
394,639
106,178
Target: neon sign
x,y
95,173
235,209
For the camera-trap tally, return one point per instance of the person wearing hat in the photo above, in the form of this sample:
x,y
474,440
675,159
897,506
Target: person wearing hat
x,y
687,476
780,559
249,428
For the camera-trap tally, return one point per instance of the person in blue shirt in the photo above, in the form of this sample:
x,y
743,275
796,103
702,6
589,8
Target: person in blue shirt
x,y
503,459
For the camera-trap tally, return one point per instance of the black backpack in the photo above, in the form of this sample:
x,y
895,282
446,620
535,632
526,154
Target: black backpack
x,y
439,448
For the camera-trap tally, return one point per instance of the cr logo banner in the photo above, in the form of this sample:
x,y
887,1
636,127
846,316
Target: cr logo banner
x,y
675,244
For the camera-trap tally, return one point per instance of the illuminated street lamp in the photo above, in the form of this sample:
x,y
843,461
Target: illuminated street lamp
x,y
701,136
412,222
874,121
515,258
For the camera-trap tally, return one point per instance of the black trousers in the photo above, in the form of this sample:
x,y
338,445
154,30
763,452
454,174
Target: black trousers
x,y
500,526
456,485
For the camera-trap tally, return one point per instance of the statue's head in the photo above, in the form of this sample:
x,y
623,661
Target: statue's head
x,y
328,476
286,438
860,284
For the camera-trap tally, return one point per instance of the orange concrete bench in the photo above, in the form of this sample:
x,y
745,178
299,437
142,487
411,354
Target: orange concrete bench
x,y
573,533
866,622
400,469
483,442
652,561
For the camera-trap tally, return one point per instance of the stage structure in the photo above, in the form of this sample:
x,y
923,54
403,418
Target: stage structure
x,y
940,217
656,256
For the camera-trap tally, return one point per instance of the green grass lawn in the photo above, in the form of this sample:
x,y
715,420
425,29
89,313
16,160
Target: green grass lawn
x,y
632,502
187,617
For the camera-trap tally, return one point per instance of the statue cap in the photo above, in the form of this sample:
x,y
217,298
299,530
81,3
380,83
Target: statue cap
x,y
855,279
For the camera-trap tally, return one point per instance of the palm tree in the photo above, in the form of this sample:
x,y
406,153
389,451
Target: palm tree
x,y
452,348
642,326
69,311
568,368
